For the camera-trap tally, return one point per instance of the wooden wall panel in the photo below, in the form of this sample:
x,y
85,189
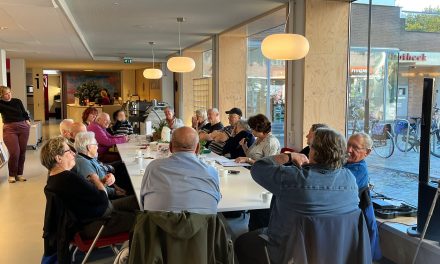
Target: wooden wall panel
x,y
187,92
232,74
128,86
147,89
325,73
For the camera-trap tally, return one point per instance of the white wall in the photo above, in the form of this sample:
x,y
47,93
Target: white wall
x,y
18,79
167,86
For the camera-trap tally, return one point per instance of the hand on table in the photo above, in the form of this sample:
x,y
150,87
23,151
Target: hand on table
x,y
243,160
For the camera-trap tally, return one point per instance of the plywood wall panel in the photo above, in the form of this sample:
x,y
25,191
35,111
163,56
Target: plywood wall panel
x,y
187,92
232,74
326,64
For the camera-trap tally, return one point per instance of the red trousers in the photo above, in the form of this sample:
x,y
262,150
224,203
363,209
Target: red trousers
x,y
15,136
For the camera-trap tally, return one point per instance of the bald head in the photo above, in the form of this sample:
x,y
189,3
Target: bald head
x,y
103,119
76,128
184,139
65,128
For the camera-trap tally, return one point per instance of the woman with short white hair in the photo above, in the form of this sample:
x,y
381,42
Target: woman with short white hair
x,y
87,163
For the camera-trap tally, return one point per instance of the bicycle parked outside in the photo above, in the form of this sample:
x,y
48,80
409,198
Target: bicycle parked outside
x,y
380,133
407,140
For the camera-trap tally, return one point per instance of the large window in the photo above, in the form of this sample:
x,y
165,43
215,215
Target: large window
x,y
385,95
265,80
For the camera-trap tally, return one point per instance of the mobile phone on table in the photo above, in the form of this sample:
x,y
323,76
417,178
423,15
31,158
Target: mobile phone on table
x,y
234,172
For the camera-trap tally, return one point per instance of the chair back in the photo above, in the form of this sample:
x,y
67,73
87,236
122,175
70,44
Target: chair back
x,y
165,237
325,239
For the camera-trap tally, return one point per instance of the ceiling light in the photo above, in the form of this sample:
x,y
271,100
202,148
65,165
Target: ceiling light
x,y
3,28
180,63
152,73
88,70
285,46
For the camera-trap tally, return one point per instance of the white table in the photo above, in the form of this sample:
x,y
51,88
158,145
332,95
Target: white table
x,y
239,191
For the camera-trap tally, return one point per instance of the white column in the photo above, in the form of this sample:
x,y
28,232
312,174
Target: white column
x,y
18,79
3,71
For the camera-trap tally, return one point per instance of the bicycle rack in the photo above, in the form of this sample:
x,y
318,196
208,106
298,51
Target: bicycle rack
x,y
407,133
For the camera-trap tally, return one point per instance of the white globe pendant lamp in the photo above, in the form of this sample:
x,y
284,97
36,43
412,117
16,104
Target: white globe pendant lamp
x,y
180,63
285,46
152,73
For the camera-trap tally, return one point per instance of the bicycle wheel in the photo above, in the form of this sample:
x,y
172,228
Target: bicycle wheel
x,y
403,143
384,147
435,143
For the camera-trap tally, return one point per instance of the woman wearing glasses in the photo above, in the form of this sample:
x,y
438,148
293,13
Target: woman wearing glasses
x,y
85,198
16,124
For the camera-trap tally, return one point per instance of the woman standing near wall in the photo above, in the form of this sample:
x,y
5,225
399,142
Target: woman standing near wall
x,y
16,124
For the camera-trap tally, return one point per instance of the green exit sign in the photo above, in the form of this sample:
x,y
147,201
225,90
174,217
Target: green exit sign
x,y
128,60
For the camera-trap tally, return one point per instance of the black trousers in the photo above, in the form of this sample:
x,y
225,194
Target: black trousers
x,y
122,179
122,219
250,248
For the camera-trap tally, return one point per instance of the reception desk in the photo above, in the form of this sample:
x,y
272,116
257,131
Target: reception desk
x,y
75,111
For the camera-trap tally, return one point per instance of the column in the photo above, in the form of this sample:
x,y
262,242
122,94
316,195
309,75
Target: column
x,y
18,79
37,82
3,70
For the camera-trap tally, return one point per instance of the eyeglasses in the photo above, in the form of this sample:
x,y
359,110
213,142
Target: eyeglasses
x,y
69,150
355,147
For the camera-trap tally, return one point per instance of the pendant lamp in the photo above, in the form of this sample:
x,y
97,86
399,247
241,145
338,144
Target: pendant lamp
x,y
152,73
180,63
285,46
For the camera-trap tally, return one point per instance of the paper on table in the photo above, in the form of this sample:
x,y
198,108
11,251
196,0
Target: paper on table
x,y
229,163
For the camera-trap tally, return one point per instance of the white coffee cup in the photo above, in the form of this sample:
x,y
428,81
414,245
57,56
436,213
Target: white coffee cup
x,y
222,172
139,154
266,196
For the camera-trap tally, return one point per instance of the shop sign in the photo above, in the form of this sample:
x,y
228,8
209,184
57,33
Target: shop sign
x,y
359,70
412,57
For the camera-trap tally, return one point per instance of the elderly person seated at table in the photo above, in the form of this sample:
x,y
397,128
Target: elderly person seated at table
x,y
205,134
85,198
221,136
359,147
297,193
89,115
181,182
200,119
105,139
310,136
121,125
87,162
232,148
266,143
170,118
65,128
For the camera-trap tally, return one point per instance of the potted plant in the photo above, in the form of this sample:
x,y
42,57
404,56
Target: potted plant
x,y
157,134
87,91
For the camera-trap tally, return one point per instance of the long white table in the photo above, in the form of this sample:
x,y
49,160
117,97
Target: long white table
x,y
239,191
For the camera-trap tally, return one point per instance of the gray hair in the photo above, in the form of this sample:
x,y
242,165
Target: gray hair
x,y
243,124
318,125
330,148
82,140
202,113
368,142
65,125
215,110
169,108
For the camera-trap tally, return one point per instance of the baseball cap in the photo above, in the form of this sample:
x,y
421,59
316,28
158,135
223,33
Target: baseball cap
x,y
235,110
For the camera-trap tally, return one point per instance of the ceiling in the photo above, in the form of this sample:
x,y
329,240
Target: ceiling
x,y
85,30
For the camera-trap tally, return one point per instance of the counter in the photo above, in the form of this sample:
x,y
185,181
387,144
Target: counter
x,y
75,111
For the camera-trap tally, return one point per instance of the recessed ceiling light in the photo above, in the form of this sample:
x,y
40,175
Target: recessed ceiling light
x,y
3,28
88,70
116,3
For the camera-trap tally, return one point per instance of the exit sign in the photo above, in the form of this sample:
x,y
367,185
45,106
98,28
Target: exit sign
x,y
128,60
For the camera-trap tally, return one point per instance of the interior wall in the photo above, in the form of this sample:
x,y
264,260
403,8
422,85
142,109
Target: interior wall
x,y
187,92
325,68
147,89
167,86
232,62
128,86
37,82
